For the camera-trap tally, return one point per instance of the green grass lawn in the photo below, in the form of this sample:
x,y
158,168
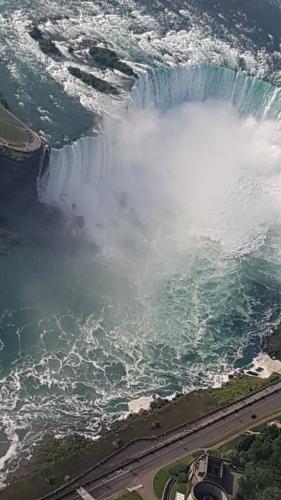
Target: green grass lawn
x,y
130,496
160,481
179,488
224,450
11,129
12,133
163,475
236,388
58,458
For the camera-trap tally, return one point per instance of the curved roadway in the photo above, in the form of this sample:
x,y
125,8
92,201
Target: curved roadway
x,y
129,472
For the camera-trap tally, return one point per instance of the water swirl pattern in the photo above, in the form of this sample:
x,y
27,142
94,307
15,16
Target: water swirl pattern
x,y
180,192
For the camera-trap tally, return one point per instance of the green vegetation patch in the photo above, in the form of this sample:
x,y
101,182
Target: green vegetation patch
x,y
12,134
133,495
238,387
226,450
258,458
11,129
72,456
181,488
173,471
160,481
13,155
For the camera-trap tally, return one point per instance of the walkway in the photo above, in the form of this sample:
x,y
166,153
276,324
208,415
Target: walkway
x,y
22,138
124,471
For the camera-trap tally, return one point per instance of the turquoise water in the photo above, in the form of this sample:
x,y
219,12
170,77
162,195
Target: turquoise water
x,y
176,276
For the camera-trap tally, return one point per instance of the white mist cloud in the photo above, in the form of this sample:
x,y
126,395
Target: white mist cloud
x,y
156,183
198,171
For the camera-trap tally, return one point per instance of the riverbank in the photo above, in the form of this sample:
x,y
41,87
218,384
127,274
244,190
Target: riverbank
x,y
15,135
272,344
57,461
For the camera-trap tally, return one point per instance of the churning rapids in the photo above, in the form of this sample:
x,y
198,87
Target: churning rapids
x,y
180,194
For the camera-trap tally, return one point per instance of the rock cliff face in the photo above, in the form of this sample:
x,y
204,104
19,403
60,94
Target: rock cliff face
x,y
18,173
272,344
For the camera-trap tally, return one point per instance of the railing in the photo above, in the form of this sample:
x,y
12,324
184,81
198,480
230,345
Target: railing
x,y
275,386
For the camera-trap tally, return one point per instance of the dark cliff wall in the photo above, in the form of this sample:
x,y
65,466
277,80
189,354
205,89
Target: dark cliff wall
x,y
18,173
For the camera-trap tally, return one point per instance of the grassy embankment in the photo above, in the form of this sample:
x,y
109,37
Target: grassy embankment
x,y
130,496
224,451
257,458
163,475
12,131
66,459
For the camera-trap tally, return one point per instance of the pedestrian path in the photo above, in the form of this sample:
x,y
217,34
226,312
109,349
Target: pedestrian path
x,y
84,494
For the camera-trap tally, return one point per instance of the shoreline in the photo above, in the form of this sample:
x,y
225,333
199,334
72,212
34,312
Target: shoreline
x,y
263,366
271,344
55,462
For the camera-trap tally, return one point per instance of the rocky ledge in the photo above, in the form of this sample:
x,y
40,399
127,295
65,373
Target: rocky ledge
x,y
272,344
19,172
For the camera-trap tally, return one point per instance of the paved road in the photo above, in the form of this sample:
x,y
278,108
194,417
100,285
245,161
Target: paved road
x,y
168,489
198,435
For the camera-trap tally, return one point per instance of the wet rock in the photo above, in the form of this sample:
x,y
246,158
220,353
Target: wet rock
x,y
51,480
155,425
158,403
272,344
46,44
252,373
117,444
93,81
107,58
36,33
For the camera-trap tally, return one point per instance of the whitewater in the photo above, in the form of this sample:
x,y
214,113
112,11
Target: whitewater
x,y
177,275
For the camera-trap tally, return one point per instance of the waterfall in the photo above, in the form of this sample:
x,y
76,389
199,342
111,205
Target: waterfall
x,y
166,87
83,162
78,167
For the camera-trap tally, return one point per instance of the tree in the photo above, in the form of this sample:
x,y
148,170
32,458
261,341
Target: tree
x,y
270,493
177,470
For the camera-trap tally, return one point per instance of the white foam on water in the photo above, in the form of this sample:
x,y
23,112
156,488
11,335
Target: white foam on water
x,y
13,440
268,365
111,181
175,316
142,403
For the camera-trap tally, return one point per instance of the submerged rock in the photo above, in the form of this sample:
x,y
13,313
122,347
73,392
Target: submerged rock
x,y
107,58
93,81
46,44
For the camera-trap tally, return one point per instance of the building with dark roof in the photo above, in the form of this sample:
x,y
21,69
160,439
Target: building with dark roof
x,y
211,479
